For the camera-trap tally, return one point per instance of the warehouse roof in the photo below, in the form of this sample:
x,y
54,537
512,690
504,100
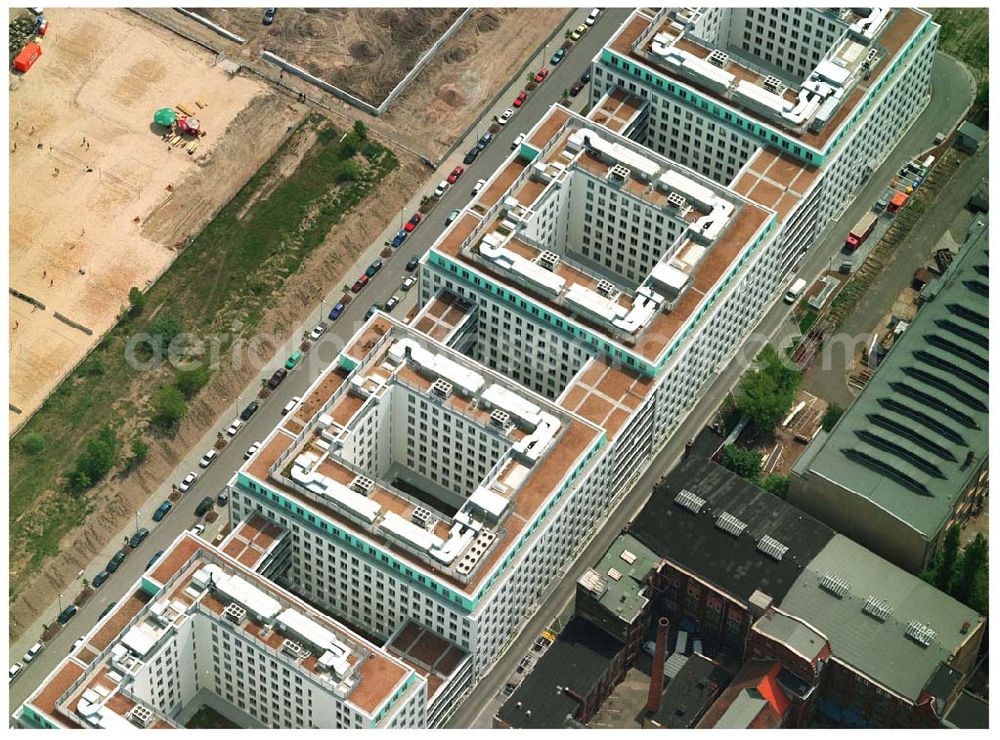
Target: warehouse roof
x,y
914,438
618,579
877,617
696,541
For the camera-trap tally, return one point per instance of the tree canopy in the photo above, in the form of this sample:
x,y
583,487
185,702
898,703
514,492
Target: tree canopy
x,y
766,391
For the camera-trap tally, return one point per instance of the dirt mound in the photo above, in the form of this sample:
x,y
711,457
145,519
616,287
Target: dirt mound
x,y
363,52
451,96
459,54
314,28
487,23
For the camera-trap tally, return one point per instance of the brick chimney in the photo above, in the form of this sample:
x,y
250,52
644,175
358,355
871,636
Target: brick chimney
x,y
659,658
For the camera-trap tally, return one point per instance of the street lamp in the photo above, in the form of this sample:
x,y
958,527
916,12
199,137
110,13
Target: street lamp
x,y
60,603
136,528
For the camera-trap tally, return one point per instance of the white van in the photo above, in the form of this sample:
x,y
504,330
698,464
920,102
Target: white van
x,y
795,291
441,188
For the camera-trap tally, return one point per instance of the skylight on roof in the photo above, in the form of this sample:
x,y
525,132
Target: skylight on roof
x,y
920,633
728,523
835,585
771,547
877,608
689,501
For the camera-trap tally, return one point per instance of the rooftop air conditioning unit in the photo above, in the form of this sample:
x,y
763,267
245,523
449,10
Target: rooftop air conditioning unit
x,y
718,58
607,289
677,200
235,613
421,517
290,647
441,389
140,716
362,484
500,419
773,85
548,259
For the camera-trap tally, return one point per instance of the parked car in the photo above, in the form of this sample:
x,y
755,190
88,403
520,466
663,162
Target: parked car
x,y
208,458
188,481
15,671
373,268
517,141
557,57
455,174
76,643
505,116
293,360
116,560
541,75
279,375
441,189
162,510
138,538
408,283
578,32
269,16
249,411
33,652
414,221
391,303
67,614
592,18
400,237
223,498
374,307
519,100
152,561
412,264
236,426
479,186
576,88
198,529
470,156
585,77
251,450
318,331
291,405
99,579
484,141
359,284
336,311
107,610
204,506
452,216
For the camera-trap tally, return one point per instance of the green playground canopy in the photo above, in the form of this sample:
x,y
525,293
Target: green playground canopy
x,y
165,117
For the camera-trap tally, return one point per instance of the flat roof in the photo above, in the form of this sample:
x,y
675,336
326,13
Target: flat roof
x,y
904,443
251,541
442,315
690,693
370,347
879,648
576,662
431,655
733,565
618,580
617,109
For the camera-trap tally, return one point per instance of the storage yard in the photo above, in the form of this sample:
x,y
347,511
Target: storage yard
x,y
99,201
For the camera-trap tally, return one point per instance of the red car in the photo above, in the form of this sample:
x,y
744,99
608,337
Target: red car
x,y
415,219
361,283
520,99
542,74
455,174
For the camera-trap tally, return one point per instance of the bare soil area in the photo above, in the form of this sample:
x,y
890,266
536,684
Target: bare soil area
x,y
365,51
99,201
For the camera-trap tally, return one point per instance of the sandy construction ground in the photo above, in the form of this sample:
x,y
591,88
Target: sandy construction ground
x,y
365,51
98,201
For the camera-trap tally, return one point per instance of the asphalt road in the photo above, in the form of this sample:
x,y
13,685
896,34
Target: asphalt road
x,y
947,104
386,283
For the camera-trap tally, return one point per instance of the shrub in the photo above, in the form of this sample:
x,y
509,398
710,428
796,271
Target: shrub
x,y
164,327
168,407
189,382
831,416
745,463
96,460
136,302
33,443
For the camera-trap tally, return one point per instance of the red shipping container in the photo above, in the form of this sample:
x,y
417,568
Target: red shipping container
x,y
28,56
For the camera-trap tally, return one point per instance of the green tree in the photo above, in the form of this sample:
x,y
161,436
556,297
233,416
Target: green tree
x,y
97,459
136,302
33,443
165,327
189,382
831,416
140,451
745,463
971,581
766,392
776,484
945,572
348,172
168,407
360,130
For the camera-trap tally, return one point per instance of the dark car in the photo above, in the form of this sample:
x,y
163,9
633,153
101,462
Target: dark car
x,y
484,141
279,375
138,538
373,268
116,560
471,155
107,610
249,411
154,559
412,264
162,510
204,506
374,307
400,237
67,614
557,57
100,578
359,284
223,498
576,88
336,311
269,16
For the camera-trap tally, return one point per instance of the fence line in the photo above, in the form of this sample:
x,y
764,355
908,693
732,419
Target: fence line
x,y
214,26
